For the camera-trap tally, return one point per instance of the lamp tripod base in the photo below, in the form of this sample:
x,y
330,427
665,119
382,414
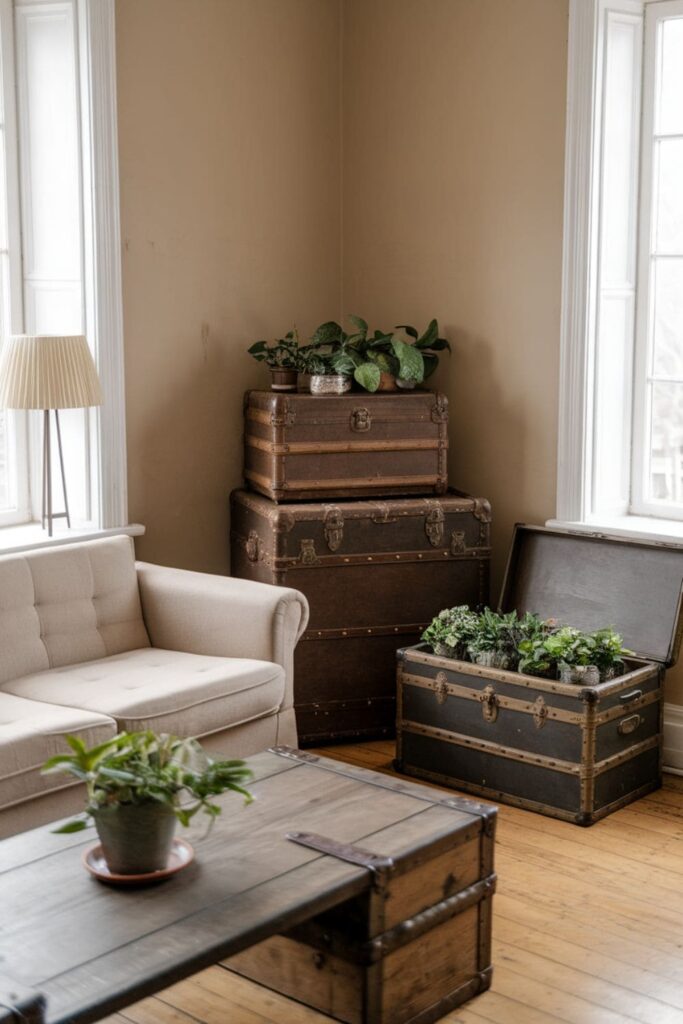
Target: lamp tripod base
x,y
48,516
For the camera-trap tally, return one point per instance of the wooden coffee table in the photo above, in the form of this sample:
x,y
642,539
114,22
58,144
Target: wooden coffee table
x,y
383,914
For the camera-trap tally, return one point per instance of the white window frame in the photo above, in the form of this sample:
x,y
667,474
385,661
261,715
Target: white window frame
x,y
580,283
103,313
640,503
16,422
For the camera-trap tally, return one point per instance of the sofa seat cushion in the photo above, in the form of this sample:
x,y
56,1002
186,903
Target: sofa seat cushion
x,y
30,732
167,691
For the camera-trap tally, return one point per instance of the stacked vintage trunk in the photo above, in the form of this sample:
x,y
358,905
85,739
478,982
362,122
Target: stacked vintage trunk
x,y
350,505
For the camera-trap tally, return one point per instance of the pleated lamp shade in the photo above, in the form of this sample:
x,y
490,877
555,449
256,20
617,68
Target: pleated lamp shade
x,y
48,372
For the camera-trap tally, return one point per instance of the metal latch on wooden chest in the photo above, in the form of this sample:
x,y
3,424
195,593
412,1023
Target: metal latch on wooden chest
x,y
333,527
489,704
540,712
434,526
376,863
361,420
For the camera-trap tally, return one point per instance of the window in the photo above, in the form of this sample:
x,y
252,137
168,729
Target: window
x,y
60,243
658,420
621,417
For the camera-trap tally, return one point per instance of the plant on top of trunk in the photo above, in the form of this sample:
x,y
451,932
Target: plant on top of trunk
x,y
403,354
280,354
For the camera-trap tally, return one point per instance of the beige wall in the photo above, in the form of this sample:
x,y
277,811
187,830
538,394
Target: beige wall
x,y
453,189
229,165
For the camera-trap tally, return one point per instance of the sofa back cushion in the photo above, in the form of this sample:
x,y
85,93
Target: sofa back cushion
x,y
62,606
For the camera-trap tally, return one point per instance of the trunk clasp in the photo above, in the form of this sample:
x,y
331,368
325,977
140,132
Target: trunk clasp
x,y
361,420
333,527
489,704
434,527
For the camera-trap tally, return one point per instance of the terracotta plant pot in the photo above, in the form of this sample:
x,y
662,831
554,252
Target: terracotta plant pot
x,y
283,380
329,384
387,382
136,838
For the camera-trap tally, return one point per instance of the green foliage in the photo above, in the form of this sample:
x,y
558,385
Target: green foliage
x,y
142,767
368,376
532,645
451,630
281,354
366,356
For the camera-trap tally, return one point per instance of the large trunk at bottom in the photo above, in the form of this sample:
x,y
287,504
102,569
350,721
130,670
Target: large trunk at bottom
x,y
375,574
571,752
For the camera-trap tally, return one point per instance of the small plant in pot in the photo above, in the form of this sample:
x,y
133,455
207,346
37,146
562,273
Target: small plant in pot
x,y
282,357
494,644
573,652
609,653
401,358
449,633
139,786
328,361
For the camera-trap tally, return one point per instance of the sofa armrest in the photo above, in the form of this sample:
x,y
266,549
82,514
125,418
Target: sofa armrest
x,y
222,616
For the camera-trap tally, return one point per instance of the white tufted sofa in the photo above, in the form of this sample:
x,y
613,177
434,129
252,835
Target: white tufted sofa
x,y
92,643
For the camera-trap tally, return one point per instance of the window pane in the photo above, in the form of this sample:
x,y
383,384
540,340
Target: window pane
x,y
670,114
668,318
666,444
669,218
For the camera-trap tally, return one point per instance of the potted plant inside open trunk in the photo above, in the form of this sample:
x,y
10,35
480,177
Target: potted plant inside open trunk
x,y
139,786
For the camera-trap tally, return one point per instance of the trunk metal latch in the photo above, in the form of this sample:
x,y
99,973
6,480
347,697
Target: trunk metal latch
x,y
333,527
489,704
361,420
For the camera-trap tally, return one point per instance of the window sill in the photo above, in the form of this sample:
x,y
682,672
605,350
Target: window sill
x,y
31,536
661,531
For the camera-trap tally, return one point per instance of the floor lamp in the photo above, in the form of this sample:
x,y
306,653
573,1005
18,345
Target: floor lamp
x,y
49,372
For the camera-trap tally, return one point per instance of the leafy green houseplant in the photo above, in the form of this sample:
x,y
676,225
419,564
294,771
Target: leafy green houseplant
x,y
328,360
139,786
450,631
282,357
400,358
382,361
494,643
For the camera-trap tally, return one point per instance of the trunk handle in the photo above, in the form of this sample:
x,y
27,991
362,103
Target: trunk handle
x,y
629,725
626,698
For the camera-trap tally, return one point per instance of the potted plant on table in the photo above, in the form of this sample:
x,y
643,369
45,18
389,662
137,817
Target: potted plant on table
x,y
139,786
282,357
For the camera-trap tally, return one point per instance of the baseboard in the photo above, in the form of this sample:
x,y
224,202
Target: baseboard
x,y
673,738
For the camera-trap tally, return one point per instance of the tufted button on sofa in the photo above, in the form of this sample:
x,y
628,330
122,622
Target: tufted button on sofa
x,y
92,643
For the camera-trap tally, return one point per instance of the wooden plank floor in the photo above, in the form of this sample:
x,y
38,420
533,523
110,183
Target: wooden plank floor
x,y
588,926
